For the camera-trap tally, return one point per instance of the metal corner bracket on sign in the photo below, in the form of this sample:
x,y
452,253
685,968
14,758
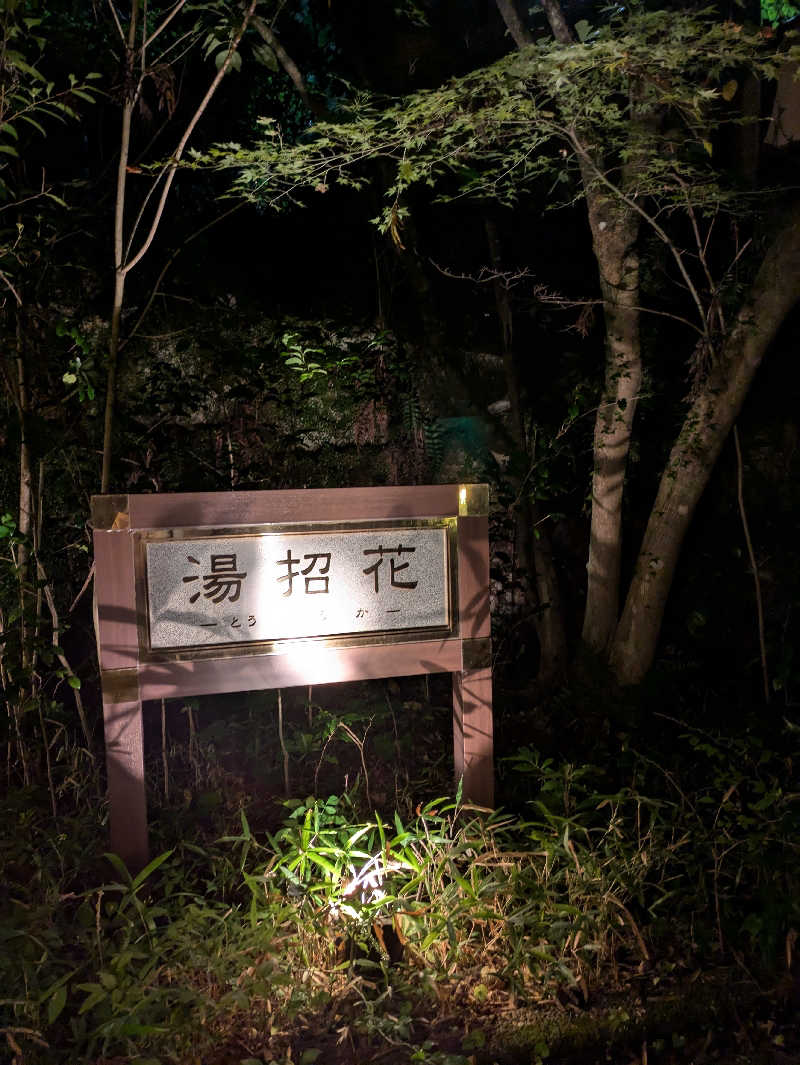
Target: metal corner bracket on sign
x,y
473,500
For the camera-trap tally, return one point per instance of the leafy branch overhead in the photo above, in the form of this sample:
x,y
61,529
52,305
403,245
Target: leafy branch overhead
x,y
656,86
28,100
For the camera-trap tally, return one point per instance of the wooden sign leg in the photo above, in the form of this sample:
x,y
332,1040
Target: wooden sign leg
x,y
472,734
126,786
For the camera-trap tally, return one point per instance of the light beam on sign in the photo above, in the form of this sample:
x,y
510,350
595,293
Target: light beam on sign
x,y
315,659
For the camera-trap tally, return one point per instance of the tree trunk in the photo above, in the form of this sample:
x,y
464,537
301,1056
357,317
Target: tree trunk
x,y
514,24
615,229
707,424
26,506
26,499
128,103
558,24
125,259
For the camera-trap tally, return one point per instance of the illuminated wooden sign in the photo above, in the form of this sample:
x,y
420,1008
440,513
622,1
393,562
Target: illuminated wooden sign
x,y
265,586
206,593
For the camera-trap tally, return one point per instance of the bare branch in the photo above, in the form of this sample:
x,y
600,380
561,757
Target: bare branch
x,y
226,214
541,293
113,11
167,19
288,65
9,285
753,564
56,625
85,585
171,168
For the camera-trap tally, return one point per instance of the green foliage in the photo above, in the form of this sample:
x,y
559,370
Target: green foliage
x,y
384,921
28,100
536,114
296,356
81,368
30,103
775,11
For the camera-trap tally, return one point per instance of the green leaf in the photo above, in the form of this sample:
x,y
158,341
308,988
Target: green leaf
x,y
93,999
119,865
32,122
264,55
151,867
56,1003
323,863
583,29
235,63
16,60
74,682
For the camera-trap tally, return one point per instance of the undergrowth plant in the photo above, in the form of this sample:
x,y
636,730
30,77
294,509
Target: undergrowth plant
x,y
378,920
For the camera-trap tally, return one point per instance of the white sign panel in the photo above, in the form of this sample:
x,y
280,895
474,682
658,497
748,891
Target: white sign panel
x,y
293,585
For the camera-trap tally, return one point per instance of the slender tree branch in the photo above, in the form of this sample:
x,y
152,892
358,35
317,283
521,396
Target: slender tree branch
x,y
165,22
288,64
508,278
172,167
713,288
56,624
119,272
115,16
143,49
84,586
753,564
162,58
9,285
277,14
154,291
141,213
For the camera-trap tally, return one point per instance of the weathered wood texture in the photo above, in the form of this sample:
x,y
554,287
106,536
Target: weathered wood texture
x,y
473,734
126,787
473,577
116,599
312,504
306,663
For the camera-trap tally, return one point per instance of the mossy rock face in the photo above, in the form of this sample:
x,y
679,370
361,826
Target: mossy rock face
x,y
617,1021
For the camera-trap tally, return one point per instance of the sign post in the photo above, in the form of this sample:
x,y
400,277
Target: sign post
x,y
206,593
